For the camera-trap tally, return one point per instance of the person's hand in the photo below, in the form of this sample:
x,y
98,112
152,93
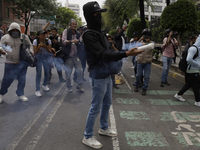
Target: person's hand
x,y
134,52
2,51
171,33
125,27
42,45
53,50
55,41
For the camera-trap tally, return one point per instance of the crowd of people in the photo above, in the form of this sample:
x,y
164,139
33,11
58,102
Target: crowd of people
x,y
71,50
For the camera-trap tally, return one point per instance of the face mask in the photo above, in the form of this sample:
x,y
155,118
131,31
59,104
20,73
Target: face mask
x,y
15,34
98,19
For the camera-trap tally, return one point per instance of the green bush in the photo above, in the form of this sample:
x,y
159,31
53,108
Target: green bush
x,y
180,16
135,25
112,32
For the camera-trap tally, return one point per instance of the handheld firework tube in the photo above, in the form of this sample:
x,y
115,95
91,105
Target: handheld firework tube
x,y
2,50
146,47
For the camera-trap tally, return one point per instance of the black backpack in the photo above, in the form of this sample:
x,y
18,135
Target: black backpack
x,y
183,64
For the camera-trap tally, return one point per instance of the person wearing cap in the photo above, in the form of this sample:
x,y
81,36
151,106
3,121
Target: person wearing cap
x,y
96,45
42,51
14,67
72,51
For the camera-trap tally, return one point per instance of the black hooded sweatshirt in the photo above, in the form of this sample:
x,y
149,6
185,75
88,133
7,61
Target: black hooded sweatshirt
x,y
97,44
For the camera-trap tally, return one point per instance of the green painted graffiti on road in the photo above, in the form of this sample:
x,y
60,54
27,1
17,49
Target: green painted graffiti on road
x,y
123,91
146,139
127,100
132,115
169,102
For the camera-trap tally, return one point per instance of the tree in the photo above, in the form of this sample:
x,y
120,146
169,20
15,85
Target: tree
x,y
65,15
135,25
180,16
27,8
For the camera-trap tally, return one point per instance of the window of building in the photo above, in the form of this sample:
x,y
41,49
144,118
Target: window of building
x,y
154,17
146,9
7,12
75,9
160,1
71,5
157,9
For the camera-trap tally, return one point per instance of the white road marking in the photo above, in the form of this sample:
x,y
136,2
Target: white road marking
x,y
126,81
31,145
115,140
28,126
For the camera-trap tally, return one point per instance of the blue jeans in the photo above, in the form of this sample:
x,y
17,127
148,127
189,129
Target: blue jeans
x,y
166,66
11,72
101,101
42,60
146,68
133,60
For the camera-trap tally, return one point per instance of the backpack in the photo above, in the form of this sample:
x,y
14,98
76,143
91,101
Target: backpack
x,y
183,64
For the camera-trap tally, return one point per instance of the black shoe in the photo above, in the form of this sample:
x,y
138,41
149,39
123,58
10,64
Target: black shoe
x,y
162,84
136,89
115,86
144,92
62,80
167,83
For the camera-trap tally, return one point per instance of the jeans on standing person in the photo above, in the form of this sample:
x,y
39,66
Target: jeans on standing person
x,y
133,60
143,70
192,80
101,102
59,64
42,60
69,64
11,72
166,66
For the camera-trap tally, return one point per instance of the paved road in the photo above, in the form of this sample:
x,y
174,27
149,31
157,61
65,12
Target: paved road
x,y
56,121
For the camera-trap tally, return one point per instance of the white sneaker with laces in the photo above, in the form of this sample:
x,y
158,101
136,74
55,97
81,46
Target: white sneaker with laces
x,y
197,104
179,97
108,132
23,98
1,98
46,88
38,94
92,142
133,76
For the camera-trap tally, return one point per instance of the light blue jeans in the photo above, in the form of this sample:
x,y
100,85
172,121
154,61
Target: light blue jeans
x,y
101,101
166,66
146,68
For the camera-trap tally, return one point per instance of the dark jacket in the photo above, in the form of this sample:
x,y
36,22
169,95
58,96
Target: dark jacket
x,y
118,39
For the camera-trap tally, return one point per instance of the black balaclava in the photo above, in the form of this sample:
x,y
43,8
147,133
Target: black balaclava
x,y
93,22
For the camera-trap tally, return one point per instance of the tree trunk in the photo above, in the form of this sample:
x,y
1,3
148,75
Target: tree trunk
x,y
168,2
142,17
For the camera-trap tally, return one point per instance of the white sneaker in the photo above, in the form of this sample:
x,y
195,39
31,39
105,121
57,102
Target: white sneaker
x,y
92,142
108,132
46,88
197,104
23,98
133,76
1,98
133,67
179,97
38,94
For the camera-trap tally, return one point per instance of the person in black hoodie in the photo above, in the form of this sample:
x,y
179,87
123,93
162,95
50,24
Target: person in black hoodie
x,y
119,38
96,45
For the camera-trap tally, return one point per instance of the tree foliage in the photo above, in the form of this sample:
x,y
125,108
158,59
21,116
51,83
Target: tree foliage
x,y
135,25
65,15
180,16
25,8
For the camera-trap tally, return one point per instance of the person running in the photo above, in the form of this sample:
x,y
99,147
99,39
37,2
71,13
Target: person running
x,y
96,46
168,54
192,72
14,68
144,64
72,50
42,51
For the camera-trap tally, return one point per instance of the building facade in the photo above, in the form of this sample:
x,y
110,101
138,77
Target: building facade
x,y
7,17
74,7
156,11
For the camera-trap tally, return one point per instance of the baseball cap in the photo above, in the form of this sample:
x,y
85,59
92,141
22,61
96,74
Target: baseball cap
x,y
41,32
136,34
98,8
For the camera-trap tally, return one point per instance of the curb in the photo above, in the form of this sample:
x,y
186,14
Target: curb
x,y
172,74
